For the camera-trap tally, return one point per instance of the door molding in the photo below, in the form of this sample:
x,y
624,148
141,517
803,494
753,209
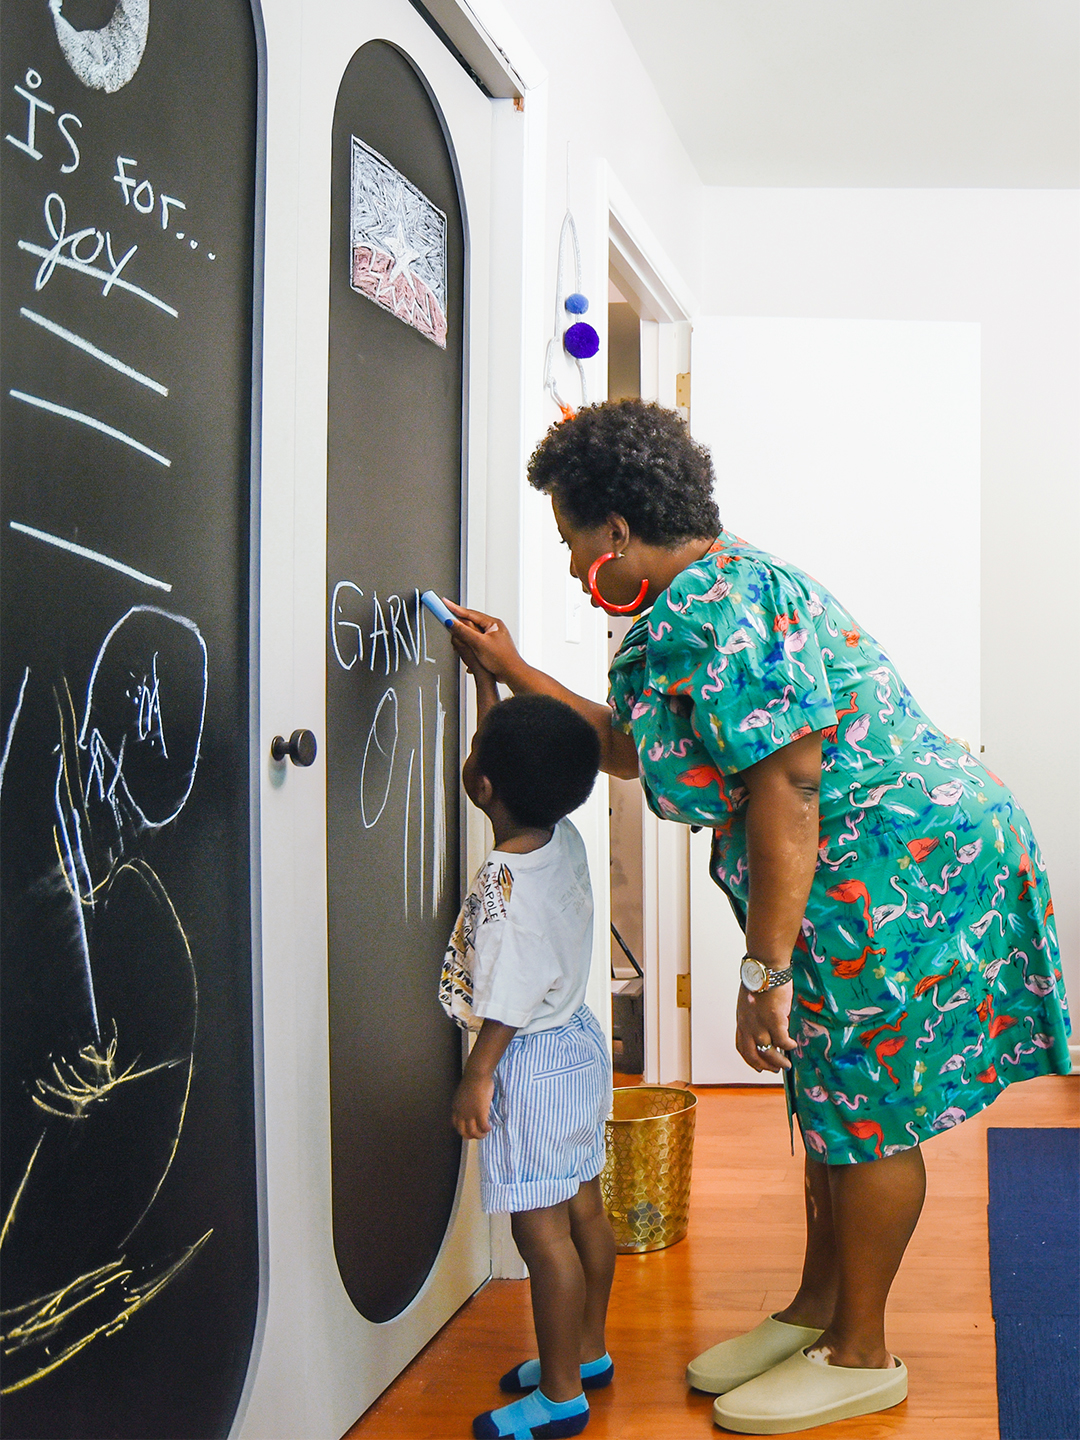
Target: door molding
x,y
664,305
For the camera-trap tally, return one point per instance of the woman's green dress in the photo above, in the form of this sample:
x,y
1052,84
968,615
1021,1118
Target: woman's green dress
x,y
927,975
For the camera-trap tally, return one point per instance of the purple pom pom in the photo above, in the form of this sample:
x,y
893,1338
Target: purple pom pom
x,y
576,303
581,341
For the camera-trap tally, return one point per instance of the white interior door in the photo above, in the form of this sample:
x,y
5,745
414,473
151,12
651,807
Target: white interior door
x,y
851,448
319,1364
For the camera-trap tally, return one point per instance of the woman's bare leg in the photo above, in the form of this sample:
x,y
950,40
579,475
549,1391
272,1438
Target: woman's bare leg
x,y
859,1221
816,1297
875,1207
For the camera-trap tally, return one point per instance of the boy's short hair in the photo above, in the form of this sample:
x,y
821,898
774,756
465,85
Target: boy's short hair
x,y
541,757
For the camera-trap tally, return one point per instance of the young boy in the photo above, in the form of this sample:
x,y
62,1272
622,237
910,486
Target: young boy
x,y
536,1089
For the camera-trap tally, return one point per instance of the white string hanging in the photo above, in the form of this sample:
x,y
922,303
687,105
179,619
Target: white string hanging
x,y
580,341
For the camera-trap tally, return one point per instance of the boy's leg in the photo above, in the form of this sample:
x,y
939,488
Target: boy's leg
x,y
590,1230
558,1295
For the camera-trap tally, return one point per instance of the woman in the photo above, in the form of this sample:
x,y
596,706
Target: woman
x,y
901,960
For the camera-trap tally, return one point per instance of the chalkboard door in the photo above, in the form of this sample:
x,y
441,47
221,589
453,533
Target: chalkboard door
x,y
397,265
129,1246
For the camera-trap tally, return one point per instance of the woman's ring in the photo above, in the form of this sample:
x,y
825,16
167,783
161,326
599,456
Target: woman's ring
x,y
764,1048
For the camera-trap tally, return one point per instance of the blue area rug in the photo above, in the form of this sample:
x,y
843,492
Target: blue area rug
x,y
1034,1222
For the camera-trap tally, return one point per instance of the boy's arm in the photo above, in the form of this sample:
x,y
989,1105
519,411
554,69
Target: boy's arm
x,y
472,1100
487,693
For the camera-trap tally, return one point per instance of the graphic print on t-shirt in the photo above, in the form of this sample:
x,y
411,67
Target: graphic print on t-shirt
x,y
487,900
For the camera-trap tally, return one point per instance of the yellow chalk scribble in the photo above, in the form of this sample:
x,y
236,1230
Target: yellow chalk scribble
x,y
10,1216
40,1321
80,1091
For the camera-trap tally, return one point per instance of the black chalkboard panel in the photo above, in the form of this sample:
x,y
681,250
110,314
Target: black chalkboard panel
x,y
393,529
130,1251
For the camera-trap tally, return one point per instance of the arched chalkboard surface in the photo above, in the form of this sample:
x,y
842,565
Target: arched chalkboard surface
x,y
394,528
130,1251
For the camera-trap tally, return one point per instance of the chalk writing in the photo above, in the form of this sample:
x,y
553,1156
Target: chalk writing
x,y
390,636
82,264
64,122
377,769
139,193
395,631
126,396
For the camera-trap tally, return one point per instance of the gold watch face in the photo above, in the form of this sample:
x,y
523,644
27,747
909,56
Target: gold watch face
x,y
753,975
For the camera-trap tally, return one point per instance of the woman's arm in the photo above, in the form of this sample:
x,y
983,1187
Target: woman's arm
x,y
481,639
782,841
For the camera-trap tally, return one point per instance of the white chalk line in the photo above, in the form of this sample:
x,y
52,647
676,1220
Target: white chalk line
x,y
405,847
90,420
12,723
89,554
93,270
423,816
438,802
93,350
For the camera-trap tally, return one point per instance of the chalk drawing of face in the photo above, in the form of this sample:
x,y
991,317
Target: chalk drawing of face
x,y
142,726
108,58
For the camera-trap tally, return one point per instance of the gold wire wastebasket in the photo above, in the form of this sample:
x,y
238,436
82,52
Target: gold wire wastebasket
x,y
646,1179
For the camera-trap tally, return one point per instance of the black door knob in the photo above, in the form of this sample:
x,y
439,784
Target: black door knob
x,y
301,747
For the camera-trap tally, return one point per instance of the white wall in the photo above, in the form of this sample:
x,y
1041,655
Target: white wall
x,y
851,447
1006,260
602,103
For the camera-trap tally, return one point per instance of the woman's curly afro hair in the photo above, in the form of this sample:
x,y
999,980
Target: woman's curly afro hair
x,y
634,459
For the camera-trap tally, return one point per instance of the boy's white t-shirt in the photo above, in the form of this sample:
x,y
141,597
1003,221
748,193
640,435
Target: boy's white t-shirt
x,y
531,933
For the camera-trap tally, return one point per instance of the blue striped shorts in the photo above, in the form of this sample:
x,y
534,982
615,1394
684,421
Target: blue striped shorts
x,y
552,1096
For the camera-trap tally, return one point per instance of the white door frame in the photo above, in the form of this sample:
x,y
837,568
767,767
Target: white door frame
x,y
316,1363
649,280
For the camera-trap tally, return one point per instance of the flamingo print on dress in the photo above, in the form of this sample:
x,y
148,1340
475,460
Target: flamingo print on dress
x,y
929,925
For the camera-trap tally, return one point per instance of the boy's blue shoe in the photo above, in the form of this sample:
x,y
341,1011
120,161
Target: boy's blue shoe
x,y
534,1418
526,1376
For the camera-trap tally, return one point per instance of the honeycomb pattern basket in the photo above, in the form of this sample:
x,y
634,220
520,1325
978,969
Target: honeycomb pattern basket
x,y
646,1178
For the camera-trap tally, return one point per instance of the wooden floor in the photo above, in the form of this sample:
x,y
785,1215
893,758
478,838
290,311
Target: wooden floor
x,y
739,1262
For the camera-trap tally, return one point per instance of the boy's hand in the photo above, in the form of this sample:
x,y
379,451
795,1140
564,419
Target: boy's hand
x,y
485,641
472,1099
472,1106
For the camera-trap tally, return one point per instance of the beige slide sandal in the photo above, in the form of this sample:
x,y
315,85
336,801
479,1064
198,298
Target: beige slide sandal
x,y
800,1393
735,1361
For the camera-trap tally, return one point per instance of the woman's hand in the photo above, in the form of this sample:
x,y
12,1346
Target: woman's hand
x,y
472,1106
482,640
762,1019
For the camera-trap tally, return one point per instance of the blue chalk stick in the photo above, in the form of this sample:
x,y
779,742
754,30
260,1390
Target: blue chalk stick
x,y
437,608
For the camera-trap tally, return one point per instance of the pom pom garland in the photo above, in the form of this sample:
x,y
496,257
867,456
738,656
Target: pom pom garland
x,y
578,341
581,341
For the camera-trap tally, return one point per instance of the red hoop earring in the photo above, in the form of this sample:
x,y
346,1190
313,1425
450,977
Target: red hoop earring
x,y
606,605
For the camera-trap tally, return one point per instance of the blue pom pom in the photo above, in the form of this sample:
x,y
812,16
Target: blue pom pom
x,y
581,341
576,303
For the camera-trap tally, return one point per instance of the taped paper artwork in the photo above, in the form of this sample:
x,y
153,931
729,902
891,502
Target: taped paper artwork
x,y
398,244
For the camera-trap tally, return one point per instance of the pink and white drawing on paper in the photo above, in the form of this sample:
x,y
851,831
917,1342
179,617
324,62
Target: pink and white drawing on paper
x,y
398,244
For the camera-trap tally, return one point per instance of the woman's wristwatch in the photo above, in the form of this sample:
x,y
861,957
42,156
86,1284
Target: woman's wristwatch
x,y
757,977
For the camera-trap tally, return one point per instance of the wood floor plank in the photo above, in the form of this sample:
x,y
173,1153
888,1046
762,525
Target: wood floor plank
x,y
738,1263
